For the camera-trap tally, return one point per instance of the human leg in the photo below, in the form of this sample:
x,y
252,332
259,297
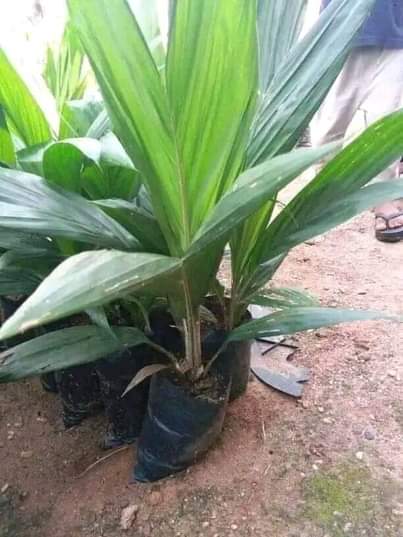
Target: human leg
x,y
386,96
344,98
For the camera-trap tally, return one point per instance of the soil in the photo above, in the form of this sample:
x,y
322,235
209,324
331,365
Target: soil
x,y
328,465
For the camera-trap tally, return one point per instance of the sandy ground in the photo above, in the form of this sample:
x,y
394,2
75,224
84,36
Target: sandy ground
x,y
328,466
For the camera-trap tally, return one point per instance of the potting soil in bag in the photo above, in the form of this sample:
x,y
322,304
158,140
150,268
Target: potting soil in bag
x,y
179,426
79,392
233,363
125,414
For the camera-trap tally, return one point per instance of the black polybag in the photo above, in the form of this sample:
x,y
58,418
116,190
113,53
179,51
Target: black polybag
x,y
125,414
79,392
178,428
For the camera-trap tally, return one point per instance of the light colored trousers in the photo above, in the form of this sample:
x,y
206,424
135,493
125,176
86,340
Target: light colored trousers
x,y
371,81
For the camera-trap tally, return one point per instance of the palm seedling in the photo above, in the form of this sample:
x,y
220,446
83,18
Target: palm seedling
x,y
212,133
84,157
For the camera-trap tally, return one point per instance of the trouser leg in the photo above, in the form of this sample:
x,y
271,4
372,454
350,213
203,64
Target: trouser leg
x,y
385,95
343,100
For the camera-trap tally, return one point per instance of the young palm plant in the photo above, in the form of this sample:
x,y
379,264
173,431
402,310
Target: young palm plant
x,y
64,70
212,135
90,162
97,167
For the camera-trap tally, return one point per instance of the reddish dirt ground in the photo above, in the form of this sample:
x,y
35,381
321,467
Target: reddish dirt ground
x,y
327,466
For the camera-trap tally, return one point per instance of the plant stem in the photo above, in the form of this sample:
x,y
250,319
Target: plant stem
x,y
191,325
232,306
193,341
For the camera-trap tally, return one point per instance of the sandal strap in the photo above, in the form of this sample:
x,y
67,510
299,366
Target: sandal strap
x,y
387,218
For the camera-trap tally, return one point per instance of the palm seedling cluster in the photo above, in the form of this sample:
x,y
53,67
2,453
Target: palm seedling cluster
x,y
196,143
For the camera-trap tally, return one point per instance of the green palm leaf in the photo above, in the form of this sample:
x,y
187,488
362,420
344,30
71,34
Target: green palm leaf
x,y
279,26
7,152
64,70
96,168
252,190
29,204
333,197
65,348
336,194
135,99
299,82
100,126
63,162
210,78
77,117
90,279
27,244
292,320
304,79
283,297
146,14
139,222
17,281
22,110
118,177
30,159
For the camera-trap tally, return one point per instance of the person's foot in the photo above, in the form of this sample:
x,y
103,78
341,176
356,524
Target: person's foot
x,y
389,221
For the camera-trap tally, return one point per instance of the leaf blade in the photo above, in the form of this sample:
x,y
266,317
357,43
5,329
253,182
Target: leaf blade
x,y
29,204
138,222
309,72
91,279
135,99
252,190
16,280
282,297
63,161
279,27
7,152
336,190
211,81
64,348
292,320
20,106
143,374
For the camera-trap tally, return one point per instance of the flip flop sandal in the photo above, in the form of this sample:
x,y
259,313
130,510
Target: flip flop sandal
x,y
389,234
